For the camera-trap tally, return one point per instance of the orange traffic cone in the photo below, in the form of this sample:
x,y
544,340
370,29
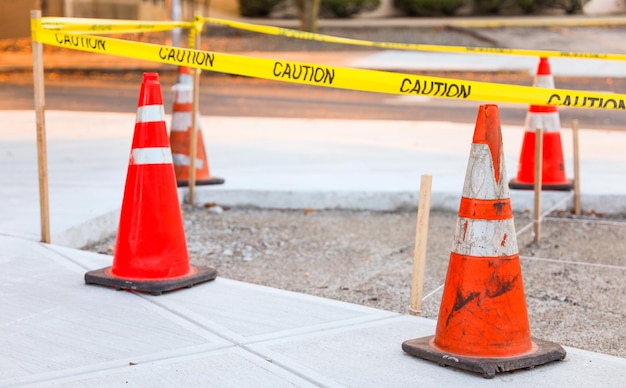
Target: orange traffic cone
x,y
151,250
547,119
184,76
180,135
483,323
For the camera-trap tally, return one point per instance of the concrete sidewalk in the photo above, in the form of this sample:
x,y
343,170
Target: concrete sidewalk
x,y
275,163
57,331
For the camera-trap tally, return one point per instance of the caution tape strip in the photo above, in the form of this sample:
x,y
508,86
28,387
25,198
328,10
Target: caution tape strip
x,y
332,76
535,21
108,26
279,31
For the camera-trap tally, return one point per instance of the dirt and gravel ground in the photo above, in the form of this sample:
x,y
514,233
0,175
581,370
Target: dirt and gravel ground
x,y
573,278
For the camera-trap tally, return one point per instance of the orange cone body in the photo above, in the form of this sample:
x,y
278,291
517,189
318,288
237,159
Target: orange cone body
x,y
547,119
483,322
156,246
180,135
485,248
151,250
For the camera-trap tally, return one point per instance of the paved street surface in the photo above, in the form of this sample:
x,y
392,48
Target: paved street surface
x,y
224,95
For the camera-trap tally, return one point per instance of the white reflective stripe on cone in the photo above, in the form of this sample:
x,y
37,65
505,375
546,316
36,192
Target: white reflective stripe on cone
x,y
184,93
485,238
181,121
548,122
184,160
480,180
186,79
544,81
156,155
150,113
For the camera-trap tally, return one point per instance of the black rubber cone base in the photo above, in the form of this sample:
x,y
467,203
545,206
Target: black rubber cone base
x,y
544,353
202,182
567,186
196,275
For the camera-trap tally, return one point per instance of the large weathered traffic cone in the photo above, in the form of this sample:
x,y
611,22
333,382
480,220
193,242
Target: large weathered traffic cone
x,y
548,120
483,323
180,135
151,250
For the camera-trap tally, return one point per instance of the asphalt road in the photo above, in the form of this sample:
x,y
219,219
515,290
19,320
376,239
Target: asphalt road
x,y
225,95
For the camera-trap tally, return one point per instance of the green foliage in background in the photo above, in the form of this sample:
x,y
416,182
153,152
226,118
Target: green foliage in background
x,y
257,8
428,7
487,7
348,8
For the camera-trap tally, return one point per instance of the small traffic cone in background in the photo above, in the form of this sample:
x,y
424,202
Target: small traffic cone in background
x,y
483,323
151,250
180,135
184,76
547,119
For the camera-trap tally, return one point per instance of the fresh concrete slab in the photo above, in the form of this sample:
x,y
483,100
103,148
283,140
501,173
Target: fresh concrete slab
x,y
373,355
232,367
87,157
245,313
60,332
280,163
55,325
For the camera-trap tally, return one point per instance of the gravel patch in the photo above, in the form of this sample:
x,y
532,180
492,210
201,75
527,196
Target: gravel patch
x,y
573,278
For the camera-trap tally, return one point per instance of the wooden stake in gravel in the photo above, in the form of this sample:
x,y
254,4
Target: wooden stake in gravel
x,y
538,178
40,106
577,207
194,42
419,254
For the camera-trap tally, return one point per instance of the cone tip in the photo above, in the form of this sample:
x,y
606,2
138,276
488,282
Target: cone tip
x,y
150,77
534,109
487,124
544,67
150,93
488,107
487,131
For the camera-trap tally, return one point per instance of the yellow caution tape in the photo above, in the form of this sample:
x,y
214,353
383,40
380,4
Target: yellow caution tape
x,y
332,76
194,35
278,31
535,21
107,26
195,32
198,24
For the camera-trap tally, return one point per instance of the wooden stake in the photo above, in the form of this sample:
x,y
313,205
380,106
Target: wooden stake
x,y
193,141
577,206
40,104
421,238
538,178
